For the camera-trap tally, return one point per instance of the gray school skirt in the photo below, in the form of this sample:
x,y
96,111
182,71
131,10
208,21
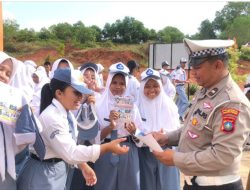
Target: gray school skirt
x,y
37,175
8,184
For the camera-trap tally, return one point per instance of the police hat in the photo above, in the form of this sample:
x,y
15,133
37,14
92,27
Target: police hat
x,y
119,68
150,73
200,49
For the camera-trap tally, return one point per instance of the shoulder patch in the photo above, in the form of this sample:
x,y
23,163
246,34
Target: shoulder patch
x,y
228,124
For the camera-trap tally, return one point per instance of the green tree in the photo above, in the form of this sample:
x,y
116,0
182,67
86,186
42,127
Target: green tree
x,y
44,34
128,30
10,30
240,29
206,30
26,35
170,35
62,31
225,17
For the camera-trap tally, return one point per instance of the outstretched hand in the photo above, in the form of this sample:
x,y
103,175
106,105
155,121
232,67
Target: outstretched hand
x,y
166,157
115,147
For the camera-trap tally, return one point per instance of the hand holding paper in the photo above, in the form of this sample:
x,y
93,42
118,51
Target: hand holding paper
x,y
150,142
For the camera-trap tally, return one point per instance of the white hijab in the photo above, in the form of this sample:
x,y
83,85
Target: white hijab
x,y
3,57
106,102
55,66
8,130
159,113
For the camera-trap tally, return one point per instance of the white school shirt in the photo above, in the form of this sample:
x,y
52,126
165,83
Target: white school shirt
x,y
58,141
133,87
180,74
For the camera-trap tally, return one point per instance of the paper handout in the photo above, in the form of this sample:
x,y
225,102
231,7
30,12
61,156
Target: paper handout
x,y
150,141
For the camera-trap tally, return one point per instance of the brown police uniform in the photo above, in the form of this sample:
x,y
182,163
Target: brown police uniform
x,y
215,130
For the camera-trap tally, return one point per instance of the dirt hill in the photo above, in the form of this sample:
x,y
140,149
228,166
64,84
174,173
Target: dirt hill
x,y
105,56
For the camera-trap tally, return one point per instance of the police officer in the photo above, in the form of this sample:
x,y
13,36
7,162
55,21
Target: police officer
x,y
180,80
216,125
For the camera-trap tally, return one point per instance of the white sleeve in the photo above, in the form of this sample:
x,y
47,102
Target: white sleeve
x,y
61,142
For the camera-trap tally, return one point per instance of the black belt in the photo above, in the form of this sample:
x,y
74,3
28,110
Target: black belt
x,y
179,84
52,160
128,139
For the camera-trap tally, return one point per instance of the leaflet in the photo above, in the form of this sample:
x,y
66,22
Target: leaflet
x,y
10,103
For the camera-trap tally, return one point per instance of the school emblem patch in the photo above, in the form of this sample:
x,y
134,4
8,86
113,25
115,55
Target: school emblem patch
x,y
119,66
149,72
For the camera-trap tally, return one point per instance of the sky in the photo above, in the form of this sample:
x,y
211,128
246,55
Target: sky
x,y
184,15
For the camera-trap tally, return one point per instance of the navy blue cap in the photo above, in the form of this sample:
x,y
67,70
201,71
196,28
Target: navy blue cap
x,y
74,78
89,65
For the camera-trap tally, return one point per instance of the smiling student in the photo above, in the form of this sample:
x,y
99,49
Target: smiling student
x,y
159,113
124,169
59,136
8,146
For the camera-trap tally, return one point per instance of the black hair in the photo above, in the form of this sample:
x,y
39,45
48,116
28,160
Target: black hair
x,y
47,63
48,92
132,65
223,57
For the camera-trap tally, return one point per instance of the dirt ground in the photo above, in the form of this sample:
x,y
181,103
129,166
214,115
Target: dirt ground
x,y
244,169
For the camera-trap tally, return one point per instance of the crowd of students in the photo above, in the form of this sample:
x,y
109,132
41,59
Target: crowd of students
x,y
99,153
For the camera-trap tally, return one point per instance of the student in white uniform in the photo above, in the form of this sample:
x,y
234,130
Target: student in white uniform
x,y
100,80
60,63
87,133
167,84
8,146
89,71
133,83
117,172
58,134
158,112
40,79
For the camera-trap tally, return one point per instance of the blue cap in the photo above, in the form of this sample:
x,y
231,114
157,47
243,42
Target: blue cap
x,y
150,73
74,78
89,65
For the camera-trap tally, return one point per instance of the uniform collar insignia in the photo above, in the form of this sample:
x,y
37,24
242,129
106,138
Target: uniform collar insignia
x,y
212,92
